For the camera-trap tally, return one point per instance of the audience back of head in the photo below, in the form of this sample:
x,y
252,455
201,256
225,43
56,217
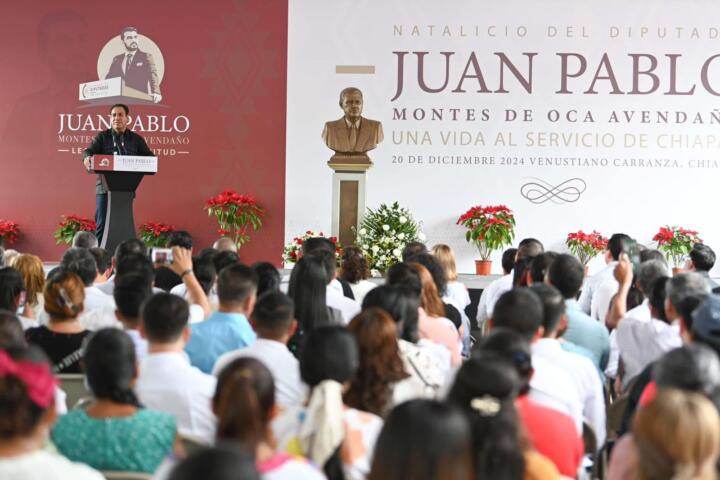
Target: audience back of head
x,y
702,257
268,277
237,284
11,287
110,366
274,315
413,248
164,318
566,274
180,238
401,303
84,239
64,296
222,462
520,310
423,439
81,262
354,265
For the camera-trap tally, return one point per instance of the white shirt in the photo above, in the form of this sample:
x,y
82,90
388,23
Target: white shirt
x,y
426,377
141,345
107,287
553,387
585,378
592,283
41,465
168,383
347,306
641,312
95,299
458,293
642,340
293,469
490,295
361,289
285,369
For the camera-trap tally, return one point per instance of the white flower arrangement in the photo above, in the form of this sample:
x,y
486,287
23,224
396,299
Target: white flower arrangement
x,y
384,233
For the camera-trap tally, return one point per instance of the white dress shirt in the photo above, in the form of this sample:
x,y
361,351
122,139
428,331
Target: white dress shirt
x,y
285,369
168,383
141,345
642,339
591,285
108,286
585,378
553,387
490,295
347,306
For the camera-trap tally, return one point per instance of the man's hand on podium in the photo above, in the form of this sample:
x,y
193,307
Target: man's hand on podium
x,y
156,97
87,162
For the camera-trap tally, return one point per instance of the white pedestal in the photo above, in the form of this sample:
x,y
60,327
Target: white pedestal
x,y
348,195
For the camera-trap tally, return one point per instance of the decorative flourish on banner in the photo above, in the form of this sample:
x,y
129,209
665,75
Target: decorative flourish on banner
x,y
539,191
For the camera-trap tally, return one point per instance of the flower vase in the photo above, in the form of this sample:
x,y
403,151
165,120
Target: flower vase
x,y
483,267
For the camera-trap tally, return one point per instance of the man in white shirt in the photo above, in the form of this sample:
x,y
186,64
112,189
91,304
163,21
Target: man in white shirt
x,y
600,287
273,319
131,291
551,385
582,371
167,382
497,287
131,246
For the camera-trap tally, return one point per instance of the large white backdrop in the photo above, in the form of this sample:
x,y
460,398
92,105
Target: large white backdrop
x,y
582,149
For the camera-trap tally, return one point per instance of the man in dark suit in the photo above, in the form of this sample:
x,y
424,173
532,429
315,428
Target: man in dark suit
x,y
116,140
135,67
352,133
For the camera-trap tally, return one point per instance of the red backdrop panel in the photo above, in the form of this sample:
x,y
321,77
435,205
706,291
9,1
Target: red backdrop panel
x,y
224,71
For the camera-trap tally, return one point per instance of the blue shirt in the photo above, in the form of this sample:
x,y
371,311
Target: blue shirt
x,y
220,333
588,333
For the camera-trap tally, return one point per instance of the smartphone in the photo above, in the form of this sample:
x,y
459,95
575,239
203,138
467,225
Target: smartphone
x,y
632,250
161,255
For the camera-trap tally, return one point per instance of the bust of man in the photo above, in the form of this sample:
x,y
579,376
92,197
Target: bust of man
x,y
353,133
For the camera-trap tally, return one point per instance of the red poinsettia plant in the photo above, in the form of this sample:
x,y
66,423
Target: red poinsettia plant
x,y
9,232
236,214
155,234
489,228
586,246
70,225
676,242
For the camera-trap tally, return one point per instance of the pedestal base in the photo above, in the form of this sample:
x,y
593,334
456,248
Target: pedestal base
x,y
348,194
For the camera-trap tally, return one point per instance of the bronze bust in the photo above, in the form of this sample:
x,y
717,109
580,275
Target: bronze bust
x,y
353,133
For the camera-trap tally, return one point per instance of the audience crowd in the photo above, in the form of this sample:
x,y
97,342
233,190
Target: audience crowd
x,y
208,368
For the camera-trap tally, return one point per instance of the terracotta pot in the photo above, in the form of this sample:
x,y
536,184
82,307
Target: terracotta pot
x,y
483,267
676,270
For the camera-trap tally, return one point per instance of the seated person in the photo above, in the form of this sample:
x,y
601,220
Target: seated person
x,y
131,291
273,319
28,411
244,403
327,432
228,328
63,337
114,432
167,382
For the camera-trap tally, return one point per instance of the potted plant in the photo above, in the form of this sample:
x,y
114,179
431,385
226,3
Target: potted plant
x,y
489,228
70,225
155,234
291,252
586,246
383,234
236,214
9,232
676,243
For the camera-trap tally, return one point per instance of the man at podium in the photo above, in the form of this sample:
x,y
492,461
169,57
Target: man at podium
x,y
116,140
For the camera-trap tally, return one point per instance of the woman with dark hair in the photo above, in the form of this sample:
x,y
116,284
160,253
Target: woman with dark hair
x,y
114,432
431,321
355,271
63,336
308,289
28,411
485,389
244,404
332,435
427,374
217,463
374,387
12,292
423,440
